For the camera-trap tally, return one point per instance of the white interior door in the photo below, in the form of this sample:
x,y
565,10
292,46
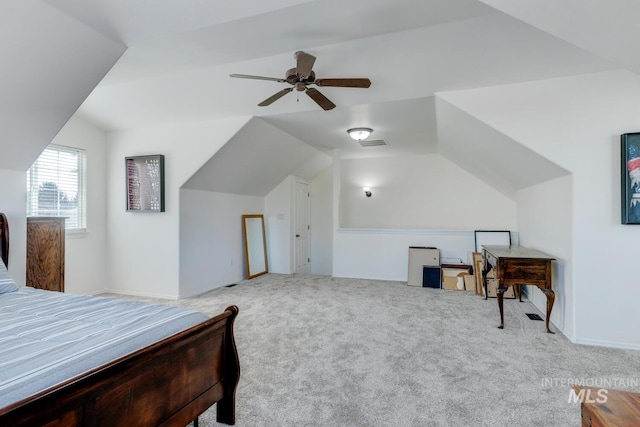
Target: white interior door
x,y
302,229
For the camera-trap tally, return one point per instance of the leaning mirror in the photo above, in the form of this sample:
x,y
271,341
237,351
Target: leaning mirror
x,y
255,245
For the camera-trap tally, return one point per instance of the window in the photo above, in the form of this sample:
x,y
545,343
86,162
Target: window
x,y
56,186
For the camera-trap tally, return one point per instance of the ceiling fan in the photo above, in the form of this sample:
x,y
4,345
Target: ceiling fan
x,y
301,77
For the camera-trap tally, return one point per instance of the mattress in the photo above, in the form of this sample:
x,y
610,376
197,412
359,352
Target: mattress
x,y
49,337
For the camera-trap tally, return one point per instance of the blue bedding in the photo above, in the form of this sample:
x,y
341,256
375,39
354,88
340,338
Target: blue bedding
x,y
49,337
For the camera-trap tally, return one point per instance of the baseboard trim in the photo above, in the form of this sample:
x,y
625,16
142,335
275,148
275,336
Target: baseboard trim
x,y
141,294
609,344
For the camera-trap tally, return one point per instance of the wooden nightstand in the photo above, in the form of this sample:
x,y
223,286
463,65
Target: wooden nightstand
x,y
45,253
602,407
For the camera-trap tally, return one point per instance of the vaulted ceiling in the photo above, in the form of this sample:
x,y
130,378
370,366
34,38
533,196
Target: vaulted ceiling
x,y
63,55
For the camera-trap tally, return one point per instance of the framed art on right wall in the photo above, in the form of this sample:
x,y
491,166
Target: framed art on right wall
x,y
630,173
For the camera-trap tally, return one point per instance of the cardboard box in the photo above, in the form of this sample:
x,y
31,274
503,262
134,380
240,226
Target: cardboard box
x,y
453,276
469,282
451,283
492,286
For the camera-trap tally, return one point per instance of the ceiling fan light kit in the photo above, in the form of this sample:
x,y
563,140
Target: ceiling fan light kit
x,y
301,77
359,134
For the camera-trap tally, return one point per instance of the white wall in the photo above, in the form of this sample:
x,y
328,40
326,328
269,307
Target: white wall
x,y
85,254
576,122
417,201
211,241
383,254
420,192
143,247
544,220
86,261
278,216
211,251
13,193
321,190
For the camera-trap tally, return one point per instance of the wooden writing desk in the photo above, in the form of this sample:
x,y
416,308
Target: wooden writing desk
x,y
517,266
608,408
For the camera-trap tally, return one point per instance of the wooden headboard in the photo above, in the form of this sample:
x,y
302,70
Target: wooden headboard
x,y
4,239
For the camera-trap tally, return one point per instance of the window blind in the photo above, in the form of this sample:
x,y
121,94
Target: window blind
x,y
56,186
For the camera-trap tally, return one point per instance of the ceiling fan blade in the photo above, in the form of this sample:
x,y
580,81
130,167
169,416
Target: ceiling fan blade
x,y
247,76
355,82
305,63
275,97
320,99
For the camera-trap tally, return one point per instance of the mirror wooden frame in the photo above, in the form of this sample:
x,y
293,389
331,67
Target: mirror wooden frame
x,y
255,245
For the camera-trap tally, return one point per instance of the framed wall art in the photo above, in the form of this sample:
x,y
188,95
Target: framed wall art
x,y
630,173
492,237
145,183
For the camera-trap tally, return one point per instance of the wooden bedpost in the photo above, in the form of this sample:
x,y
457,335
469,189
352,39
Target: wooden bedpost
x,y
226,407
4,239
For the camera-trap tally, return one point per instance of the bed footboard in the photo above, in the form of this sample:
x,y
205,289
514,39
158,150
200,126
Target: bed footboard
x,y
226,406
168,383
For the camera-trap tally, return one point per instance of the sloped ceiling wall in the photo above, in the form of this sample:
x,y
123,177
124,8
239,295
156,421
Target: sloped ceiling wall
x,y
491,156
261,155
133,22
52,61
257,159
50,64
607,28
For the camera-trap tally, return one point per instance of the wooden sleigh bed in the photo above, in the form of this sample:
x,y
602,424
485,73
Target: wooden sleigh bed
x,y
168,383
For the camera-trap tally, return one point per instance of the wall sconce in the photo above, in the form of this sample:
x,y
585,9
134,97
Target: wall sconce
x,y
359,134
367,191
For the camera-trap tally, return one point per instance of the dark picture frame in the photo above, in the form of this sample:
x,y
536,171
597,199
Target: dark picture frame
x,y
491,237
630,174
145,183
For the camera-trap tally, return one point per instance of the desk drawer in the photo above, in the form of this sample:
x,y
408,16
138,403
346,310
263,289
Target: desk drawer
x,y
524,271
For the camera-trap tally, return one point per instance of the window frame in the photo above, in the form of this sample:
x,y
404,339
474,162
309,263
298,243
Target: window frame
x,y
33,186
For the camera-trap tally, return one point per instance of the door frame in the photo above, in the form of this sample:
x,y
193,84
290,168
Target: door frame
x,y
295,219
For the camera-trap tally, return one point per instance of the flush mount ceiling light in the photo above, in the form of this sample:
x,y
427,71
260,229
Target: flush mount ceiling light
x,y
359,134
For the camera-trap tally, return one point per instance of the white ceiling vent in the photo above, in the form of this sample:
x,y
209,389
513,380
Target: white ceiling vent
x,y
373,142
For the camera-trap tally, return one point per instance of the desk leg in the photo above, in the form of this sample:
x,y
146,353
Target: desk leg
x,y
500,294
518,291
551,297
484,282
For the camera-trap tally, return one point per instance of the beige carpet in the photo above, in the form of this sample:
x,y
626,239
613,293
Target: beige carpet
x,y
319,351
